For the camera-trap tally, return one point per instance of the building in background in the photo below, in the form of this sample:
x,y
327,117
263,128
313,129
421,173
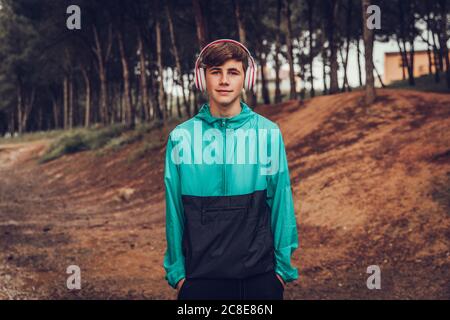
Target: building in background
x,y
395,70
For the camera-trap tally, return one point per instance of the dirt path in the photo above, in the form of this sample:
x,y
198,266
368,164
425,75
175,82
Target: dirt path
x,y
370,188
19,200
45,228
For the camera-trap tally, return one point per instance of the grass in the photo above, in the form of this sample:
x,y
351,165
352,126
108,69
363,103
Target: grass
x,y
108,139
77,140
32,136
141,132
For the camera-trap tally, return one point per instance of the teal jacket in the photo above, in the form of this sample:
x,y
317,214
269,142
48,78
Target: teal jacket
x,y
229,205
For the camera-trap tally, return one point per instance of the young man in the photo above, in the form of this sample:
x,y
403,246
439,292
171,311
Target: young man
x,y
230,221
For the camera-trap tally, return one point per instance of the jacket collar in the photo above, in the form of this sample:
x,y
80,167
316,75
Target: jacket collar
x,y
233,122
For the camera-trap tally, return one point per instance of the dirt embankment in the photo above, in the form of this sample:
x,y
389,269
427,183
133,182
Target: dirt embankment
x,y
371,187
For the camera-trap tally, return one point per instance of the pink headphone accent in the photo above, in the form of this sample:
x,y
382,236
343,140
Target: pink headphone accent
x,y
250,73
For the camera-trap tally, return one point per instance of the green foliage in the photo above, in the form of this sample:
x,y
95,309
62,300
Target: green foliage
x,y
33,136
19,57
81,139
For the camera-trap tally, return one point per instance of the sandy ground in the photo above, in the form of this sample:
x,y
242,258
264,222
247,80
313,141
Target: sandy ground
x,y
371,187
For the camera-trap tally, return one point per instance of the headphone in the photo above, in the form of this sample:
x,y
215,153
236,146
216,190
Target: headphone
x,y
250,73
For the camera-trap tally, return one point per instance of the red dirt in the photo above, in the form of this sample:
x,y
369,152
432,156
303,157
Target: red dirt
x,y
371,187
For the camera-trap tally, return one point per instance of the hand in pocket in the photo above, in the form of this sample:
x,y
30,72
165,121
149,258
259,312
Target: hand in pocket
x,y
180,284
281,280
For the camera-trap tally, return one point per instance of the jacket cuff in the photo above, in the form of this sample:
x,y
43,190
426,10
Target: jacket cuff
x,y
283,266
175,275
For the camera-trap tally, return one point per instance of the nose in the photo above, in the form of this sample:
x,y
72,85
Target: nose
x,y
224,78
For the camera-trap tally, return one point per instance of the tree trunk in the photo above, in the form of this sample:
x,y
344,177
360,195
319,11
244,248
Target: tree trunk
x,y
66,101
287,15
104,109
347,42
161,110
311,57
40,119
200,23
87,106
443,39
379,77
359,60
277,54
70,104
250,94
102,59
24,106
404,59
437,64
143,79
404,40
19,108
411,37
264,90
128,107
368,52
166,98
240,22
324,63
154,98
412,81
55,109
430,63
12,123
179,79
345,85
334,86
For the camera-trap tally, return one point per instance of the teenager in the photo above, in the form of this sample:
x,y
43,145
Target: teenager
x,y
230,220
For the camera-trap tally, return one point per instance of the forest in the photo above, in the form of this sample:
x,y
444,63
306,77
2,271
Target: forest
x,y
132,62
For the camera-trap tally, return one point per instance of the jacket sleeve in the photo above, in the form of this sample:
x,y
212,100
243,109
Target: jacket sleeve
x,y
173,258
283,221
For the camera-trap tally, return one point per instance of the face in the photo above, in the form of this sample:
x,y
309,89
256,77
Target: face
x,y
224,83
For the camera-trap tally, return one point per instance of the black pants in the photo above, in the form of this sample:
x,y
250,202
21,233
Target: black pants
x,y
265,286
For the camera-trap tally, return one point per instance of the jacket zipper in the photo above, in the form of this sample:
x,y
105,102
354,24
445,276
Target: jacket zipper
x,y
224,122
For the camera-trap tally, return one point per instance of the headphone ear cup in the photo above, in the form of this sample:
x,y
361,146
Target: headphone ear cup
x,y
247,78
201,76
254,71
250,77
196,79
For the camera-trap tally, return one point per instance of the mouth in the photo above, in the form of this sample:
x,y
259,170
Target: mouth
x,y
224,91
